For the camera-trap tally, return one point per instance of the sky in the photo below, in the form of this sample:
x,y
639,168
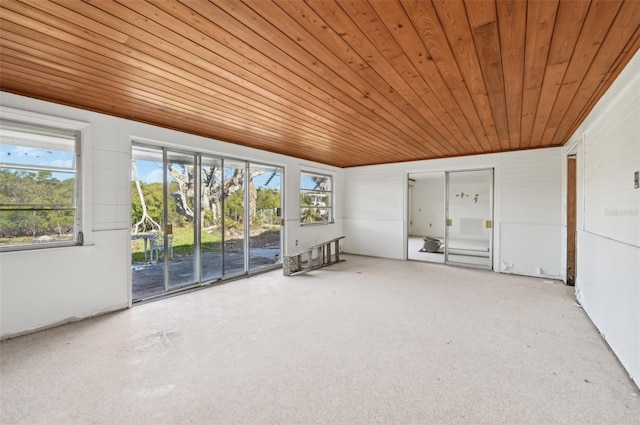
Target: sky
x,y
11,154
31,156
151,171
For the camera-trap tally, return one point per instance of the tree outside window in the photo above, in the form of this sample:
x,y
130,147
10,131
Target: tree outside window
x,y
38,186
316,198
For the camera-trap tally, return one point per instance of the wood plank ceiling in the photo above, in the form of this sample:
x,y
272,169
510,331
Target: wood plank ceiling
x,y
342,83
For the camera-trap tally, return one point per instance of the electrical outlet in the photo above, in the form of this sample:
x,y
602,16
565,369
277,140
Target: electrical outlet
x,y
636,179
296,242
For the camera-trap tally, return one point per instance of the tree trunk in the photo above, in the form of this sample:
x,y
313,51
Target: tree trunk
x,y
145,216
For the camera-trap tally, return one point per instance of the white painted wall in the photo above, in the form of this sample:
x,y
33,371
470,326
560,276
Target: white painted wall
x,y
527,214
40,288
428,205
607,145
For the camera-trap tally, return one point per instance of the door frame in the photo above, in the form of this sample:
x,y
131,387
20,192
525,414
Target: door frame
x,y
407,213
571,219
164,148
408,205
491,217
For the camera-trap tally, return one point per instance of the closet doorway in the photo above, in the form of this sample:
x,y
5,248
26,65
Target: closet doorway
x,y
426,209
450,217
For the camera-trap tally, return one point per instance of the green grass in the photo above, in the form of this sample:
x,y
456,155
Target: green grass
x,y
183,243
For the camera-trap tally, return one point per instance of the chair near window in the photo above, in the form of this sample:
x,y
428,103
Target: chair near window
x,y
157,246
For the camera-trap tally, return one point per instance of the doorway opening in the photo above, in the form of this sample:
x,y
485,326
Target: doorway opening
x,y
450,217
426,210
198,219
571,219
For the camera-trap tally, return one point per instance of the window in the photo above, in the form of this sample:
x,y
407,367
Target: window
x,y
316,200
39,186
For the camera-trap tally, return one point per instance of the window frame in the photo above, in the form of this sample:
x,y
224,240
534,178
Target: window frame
x,y
329,192
28,122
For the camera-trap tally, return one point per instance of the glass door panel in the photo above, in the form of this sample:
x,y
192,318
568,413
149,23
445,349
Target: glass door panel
x,y
469,218
197,219
234,220
177,245
146,221
265,205
211,219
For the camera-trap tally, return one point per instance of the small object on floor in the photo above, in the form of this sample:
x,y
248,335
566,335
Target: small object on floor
x,y
431,244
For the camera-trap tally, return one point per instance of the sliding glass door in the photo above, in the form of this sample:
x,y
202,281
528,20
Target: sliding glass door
x,y
147,215
211,218
469,218
234,218
197,219
177,243
265,204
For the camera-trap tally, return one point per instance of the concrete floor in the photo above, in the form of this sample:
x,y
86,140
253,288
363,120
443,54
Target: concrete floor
x,y
148,278
362,342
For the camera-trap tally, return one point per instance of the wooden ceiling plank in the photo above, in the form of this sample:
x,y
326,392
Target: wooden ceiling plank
x,y
433,112
70,15
253,62
362,16
308,18
66,90
106,50
632,46
385,109
444,106
438,66
376,131
106,82
143,89
266,46
375,31
569,21
512,24
229,66
164,64
483,19
147,102
454,21
541,16
552,80
391,69
437,146
621,62
138,77
81,91
386,65
621,29
594,29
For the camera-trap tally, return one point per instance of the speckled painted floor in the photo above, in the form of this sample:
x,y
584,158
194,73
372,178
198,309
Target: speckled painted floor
x,y
362,342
